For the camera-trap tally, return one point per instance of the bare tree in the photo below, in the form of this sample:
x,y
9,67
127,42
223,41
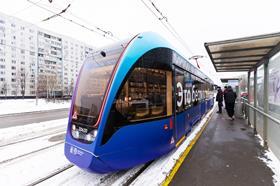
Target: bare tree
x,y
71,87
42,87
17,85
52,84
23,78
4,88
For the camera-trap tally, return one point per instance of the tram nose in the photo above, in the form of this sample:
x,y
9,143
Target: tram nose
x,y
85,159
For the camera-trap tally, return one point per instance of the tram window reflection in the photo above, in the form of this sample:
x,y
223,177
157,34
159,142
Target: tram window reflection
x,y
144,94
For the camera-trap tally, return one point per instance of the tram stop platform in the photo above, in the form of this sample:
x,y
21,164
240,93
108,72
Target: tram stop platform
x,y
227,153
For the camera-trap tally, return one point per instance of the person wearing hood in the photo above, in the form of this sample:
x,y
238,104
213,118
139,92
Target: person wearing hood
x,y
230,98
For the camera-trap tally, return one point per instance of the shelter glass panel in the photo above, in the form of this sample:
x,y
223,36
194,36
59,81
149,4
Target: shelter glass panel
x,y
274,85
260,86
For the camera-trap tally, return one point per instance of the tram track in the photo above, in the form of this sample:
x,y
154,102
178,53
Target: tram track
x,y
32,138
45,142
56,172
29,153
75,174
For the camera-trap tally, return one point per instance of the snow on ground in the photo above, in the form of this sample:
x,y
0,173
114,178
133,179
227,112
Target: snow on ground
x,y
271,161
22,148
14,134
77,176
10,106
157,172
28,169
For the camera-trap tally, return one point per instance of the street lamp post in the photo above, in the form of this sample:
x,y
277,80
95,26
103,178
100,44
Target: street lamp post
x,y
196,57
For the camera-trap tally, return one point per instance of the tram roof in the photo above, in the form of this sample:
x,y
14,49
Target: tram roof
x,y
242,54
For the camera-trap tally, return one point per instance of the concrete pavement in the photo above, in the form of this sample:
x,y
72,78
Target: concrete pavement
x,y
226,154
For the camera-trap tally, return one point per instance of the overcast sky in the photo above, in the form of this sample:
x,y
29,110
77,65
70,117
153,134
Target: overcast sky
x,y
197,21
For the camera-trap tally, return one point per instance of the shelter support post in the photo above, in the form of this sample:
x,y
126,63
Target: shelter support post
x,y
255,100
265,101
248,91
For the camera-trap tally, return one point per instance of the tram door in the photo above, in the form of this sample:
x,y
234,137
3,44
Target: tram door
x,y
179,121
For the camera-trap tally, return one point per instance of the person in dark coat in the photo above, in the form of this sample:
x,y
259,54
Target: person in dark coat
x,y
219,99
225,92
230,101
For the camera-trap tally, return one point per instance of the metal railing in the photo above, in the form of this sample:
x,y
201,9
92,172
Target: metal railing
x,y
245,102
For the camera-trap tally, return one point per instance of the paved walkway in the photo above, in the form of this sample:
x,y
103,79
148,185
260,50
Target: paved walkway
x,y
225,155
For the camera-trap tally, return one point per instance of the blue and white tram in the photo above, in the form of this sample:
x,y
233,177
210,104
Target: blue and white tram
x,y
134,102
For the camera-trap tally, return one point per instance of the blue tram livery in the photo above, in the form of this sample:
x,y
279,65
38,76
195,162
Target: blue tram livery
x,y
133,102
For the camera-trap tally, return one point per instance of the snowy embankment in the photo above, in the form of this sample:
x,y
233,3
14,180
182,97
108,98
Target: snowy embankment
x,y
29,105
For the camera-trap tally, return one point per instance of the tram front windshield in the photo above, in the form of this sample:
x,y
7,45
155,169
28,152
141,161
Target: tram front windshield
x,y
91,88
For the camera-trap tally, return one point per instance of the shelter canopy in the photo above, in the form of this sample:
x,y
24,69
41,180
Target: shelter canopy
x,y
241,54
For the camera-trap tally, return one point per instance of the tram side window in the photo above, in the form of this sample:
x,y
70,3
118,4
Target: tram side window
x,y
201,89
179,79
187,90
195,90
210,92
144,95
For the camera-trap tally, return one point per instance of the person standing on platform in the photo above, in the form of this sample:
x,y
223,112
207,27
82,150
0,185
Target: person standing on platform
x,y
219,99
230,98
225,92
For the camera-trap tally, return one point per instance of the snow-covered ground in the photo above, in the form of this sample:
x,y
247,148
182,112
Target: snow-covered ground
x,y
39,152
26,166
271,161
18,133
25,170
29,105
36,157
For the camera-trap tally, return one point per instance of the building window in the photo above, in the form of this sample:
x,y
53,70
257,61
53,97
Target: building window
x,y
47,35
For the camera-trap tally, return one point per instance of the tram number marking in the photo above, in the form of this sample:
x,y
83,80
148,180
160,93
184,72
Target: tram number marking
x,y
83,130
76,151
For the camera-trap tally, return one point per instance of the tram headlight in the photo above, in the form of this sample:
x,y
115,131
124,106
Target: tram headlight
x,y
76,134
74,127
91,136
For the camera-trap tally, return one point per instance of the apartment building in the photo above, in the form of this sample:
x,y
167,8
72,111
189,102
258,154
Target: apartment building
x,y
33,60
